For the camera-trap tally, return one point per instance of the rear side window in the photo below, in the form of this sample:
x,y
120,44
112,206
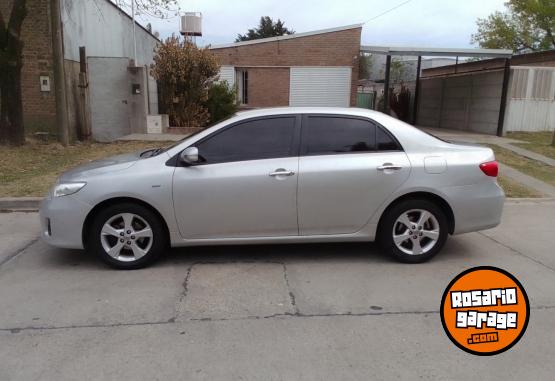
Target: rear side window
x,y
385,142
251,140
329,135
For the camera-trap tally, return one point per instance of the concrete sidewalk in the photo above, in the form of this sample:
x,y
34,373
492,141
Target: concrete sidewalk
x,y
467,137
528,154
544,189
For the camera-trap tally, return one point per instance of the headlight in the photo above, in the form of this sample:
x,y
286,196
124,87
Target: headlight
x,y
65,189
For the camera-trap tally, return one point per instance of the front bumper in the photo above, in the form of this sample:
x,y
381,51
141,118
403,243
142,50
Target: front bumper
x,y
62,220
476,207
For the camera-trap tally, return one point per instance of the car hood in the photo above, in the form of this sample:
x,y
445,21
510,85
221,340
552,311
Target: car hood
x,y
98,167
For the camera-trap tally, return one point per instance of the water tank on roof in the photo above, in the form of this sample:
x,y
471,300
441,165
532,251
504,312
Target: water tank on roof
x,y
191,24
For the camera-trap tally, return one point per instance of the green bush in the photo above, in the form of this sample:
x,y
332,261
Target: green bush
x,y
221,102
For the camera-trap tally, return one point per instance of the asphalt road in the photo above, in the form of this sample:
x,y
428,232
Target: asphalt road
x,y
311,312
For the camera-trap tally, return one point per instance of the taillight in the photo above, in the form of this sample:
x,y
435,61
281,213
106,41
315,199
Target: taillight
x,y
490,168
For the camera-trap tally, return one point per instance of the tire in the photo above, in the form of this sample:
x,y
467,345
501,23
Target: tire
x,y
422,241
132,247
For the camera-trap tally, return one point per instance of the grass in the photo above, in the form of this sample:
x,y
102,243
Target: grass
x,y
539,142
516,190
540,171
32,169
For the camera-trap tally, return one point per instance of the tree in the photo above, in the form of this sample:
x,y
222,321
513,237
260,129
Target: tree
x,y
161,9
526,26
221,102
11,62
365,62
266,28
398,70
184,73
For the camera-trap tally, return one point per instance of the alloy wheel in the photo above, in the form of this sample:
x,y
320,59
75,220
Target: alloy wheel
x,y
416,232
126,237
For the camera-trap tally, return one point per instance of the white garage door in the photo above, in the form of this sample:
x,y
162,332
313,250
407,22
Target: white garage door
x,y
320,86
227,73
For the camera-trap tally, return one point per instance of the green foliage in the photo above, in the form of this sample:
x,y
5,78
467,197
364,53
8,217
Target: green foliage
x,y
266,28
398,70
221,102
184,73
526,26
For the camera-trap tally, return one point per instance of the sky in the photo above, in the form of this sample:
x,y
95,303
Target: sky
x,y
426,23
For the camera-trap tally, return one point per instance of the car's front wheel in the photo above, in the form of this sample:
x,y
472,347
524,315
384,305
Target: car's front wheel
x,y
414,230
127,236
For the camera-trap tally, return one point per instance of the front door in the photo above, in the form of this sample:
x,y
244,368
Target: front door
x,y
246,185
347,169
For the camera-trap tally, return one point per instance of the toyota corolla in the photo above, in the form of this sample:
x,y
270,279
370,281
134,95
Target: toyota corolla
x,y
283,175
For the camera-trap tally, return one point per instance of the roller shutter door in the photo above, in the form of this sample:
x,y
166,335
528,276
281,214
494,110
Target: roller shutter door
x,y
320,86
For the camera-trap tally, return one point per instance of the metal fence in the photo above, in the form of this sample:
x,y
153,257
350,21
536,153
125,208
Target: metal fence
x,y
531,99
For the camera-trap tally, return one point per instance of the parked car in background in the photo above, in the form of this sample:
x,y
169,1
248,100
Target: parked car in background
x,y
282,175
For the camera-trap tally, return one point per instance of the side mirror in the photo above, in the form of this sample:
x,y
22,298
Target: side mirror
x,y
189,156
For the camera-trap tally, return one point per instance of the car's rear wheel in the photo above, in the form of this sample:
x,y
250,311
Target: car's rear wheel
x,y
127,236
413,230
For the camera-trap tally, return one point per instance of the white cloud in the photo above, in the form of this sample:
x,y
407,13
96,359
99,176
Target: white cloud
x,y
433,23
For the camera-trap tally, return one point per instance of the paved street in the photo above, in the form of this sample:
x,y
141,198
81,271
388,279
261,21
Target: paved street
x,y
312,312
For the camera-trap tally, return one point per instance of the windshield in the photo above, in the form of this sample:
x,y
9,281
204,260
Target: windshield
x,y
156,151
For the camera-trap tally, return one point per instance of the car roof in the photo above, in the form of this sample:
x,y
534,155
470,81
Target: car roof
x,y
308,110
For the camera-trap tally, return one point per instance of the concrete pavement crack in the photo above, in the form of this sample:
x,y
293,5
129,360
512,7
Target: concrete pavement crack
x,y
269,317
19,251
289,290
517,252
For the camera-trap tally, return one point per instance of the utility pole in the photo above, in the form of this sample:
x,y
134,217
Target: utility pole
x,y
134,36
59,75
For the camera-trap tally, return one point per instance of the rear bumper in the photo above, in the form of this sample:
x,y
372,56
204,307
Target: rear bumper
x,y
62,220
476,207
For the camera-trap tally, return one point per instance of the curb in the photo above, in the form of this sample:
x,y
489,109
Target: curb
x,y
20,204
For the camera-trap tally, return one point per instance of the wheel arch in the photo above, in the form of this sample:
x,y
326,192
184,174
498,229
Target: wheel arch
x,y
119,200
438,200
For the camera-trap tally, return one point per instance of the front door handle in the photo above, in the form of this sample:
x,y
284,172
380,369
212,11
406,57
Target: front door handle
x,y
281,172
385,166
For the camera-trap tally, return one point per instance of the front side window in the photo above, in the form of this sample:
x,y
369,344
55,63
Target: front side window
x,y
250,140
329,135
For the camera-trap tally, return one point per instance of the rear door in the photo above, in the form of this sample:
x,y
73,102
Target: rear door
x,y
347,168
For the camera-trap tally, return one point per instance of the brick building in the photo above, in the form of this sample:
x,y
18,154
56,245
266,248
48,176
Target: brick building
x,y
39,107
318,68
99,96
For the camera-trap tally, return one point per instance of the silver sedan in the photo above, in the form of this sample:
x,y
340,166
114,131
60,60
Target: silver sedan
x,y
282,175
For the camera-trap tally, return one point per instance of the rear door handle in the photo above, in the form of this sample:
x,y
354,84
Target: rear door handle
x,y
385,166
281,172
